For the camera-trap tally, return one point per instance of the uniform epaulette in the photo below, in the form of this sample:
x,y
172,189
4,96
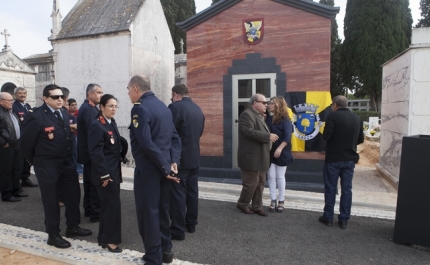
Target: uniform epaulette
x,y
33,109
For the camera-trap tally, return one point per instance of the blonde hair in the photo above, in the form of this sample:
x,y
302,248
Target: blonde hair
x,y
280,111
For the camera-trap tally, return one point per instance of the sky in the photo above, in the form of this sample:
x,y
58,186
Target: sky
x,y
29,22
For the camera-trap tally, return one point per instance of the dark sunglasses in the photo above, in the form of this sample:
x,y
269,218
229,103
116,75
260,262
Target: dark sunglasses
x,y
57,97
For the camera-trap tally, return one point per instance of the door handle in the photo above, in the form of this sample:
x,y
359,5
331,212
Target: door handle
x,y
236,121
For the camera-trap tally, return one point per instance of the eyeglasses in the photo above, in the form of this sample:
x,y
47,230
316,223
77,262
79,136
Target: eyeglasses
x,y
271,103
57,96
264,102
112,106
10,100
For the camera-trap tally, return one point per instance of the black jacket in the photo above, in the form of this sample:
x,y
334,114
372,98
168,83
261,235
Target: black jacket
x,y
104,147
343,131
189,122
45,141
20,111
86,115
7,129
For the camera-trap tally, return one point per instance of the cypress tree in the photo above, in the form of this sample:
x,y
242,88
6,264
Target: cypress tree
x,y
336,85
177,11
425,14
375,31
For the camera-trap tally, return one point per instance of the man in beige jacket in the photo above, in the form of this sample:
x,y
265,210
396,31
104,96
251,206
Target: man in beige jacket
x,y
254,154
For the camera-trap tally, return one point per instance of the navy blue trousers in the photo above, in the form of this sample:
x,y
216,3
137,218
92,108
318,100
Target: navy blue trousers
x,y
332,172
151,193
184,202
63,180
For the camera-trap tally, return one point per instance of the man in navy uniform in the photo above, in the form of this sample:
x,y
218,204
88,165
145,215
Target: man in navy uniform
x,y
46,143
21,109
10,152
156,148
87,114
189,122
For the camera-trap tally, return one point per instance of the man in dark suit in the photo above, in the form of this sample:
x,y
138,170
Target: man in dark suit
x,y
343,131
10,152
87,114
189,122
156,148
46,143
21,109
253,154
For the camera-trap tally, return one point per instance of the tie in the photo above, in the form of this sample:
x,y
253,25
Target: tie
x,y
58,115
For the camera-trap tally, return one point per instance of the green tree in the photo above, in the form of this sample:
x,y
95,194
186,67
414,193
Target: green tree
x,y
336,85
177,11
425,14
375,31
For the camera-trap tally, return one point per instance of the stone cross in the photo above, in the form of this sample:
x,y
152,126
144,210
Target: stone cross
x,y
182,45
6,35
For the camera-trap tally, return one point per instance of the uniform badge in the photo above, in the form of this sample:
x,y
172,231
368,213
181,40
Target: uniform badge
x,y
102,120
253,30
50,132
112,140
135,123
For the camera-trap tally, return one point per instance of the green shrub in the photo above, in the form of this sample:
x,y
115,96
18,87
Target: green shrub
x,y
364,115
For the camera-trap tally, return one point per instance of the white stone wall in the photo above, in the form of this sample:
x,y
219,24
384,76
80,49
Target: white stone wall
x,y
153,50
21,80
104,60
405,95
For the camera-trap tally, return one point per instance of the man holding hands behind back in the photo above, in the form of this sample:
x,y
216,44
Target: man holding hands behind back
x,y
156,148
189,122
253,154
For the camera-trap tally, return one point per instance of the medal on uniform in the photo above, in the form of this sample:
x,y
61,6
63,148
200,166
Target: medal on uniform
x,y
112,140
50,130
21,116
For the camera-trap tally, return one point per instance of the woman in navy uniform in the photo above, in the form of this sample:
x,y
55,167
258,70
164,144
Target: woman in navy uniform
x,y
104,147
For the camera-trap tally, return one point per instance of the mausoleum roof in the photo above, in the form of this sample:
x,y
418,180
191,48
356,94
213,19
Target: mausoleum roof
x,y
218,7
12,63
93,17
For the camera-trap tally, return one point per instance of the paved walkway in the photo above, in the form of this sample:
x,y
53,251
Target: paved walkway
x,y
372,197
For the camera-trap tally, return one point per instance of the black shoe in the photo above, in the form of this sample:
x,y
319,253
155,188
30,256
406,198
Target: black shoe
x,y
28,183
114,250
12,199
86,214
77,231
167,256
58,242
325,221
191,229
342,224
178,238
20,194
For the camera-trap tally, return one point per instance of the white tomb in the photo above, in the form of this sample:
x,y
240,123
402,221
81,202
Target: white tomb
x,y
405,108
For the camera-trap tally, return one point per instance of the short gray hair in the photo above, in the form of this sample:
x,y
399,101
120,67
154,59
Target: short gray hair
x,y
140,81
17,89
340,101
90,88
254,98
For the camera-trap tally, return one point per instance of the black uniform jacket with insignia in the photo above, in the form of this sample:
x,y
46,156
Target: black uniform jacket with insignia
x,y
155,143
86,115
45,141
20,110
104,147
189,122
